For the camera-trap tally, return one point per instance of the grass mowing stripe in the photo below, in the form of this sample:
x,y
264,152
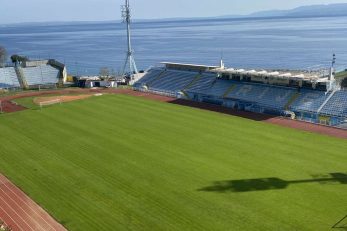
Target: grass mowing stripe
x,y
120,162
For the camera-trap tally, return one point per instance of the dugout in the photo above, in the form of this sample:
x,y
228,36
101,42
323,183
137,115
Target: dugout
x,y
94,82
100,83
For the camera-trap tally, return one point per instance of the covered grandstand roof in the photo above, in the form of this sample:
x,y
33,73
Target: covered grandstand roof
x,y
315,76
305,75
188,66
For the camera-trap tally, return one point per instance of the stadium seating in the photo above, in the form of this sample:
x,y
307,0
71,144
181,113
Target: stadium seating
x,y
149,77
206,86
50,74
219,88
309,101
270,96
173,80
41,75
203,83
8,78
337,105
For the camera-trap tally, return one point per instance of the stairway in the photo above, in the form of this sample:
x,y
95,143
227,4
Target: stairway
x,y
21,78
292,100
230,89
326,101
195,80
155,79
61,79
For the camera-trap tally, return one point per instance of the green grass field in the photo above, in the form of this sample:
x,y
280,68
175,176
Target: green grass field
x,y
118,162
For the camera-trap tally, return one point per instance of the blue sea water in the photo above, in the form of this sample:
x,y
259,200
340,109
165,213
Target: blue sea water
x,y
245,43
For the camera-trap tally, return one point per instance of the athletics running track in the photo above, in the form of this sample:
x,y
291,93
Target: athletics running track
x,y
21,213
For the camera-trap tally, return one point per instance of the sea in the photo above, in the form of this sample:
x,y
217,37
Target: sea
x,y
250,43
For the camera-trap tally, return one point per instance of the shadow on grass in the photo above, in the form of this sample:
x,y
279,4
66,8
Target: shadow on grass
x,y
341,224
224,110
263,184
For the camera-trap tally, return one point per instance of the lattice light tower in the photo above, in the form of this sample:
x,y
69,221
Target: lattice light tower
x,y
332,81
129,60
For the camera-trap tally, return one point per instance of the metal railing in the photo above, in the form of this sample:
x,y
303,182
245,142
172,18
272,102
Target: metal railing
x,y
157,91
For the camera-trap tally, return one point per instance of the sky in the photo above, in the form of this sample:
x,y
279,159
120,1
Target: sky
x,y
18,11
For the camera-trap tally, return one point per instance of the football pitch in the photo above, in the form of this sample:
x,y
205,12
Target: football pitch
x,y
120,162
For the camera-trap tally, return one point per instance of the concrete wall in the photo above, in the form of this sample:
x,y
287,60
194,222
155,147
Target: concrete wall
x,y
91,84
35,63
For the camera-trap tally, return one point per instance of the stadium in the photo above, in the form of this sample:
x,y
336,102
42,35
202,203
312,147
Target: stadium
x,y
176,152
182,147
33,74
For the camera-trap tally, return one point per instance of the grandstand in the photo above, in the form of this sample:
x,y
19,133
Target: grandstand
x,y
267,96
173,80
337,104
149,77
202,83
33,74
309,100
217,89
41,75
8,78
309,96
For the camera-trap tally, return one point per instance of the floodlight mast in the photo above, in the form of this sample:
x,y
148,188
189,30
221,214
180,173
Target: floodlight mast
x,y
129,60
332,68
332,81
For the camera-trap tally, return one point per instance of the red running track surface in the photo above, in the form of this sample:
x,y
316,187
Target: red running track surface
x,y
21,213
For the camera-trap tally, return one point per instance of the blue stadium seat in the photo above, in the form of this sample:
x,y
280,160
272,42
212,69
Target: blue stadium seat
x,y
265,96
8,78
205,82
174,80
149,77
219,88
337,104
41,75
309,101
269,96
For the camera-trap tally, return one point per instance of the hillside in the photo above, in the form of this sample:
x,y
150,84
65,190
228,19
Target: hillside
x,y
307,11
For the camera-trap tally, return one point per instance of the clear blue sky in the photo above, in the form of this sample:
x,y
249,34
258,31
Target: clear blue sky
x,y
13,11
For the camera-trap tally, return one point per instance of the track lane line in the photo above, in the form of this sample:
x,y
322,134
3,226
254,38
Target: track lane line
x,y
33,206
6,217
14,213
19,209
27,202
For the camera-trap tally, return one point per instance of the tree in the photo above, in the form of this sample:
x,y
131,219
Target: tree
x,y
14,58
3,56
17,59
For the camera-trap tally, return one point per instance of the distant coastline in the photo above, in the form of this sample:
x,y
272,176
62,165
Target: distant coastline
x,y
313,11
162,20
